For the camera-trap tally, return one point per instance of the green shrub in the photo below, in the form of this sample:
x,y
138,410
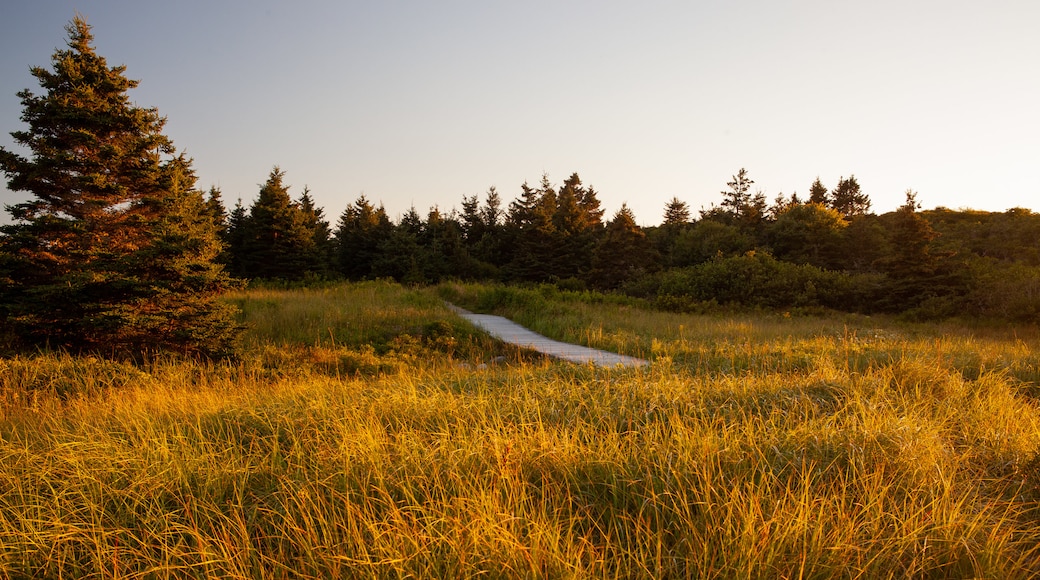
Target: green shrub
x,y
759,280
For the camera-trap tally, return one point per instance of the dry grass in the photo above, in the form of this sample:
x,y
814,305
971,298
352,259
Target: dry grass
x,y
352,441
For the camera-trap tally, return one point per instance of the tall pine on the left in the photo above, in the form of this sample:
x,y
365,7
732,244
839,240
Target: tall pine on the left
x,y
115,252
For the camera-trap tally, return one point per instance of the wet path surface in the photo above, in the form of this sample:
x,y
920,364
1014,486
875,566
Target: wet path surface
x,y
508,331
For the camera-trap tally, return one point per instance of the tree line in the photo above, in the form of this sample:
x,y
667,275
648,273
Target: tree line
x,y
117,250
828,250
547,234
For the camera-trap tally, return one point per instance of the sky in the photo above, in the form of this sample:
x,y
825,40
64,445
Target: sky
x,y
420,103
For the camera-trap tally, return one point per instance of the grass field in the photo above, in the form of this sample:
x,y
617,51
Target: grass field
x,y
368,432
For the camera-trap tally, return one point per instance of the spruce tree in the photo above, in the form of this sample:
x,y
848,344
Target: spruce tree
x,y
115,251
848,199
818,193
361,230
401,255
278,244
318,260
676,221
676,214
482,228
235,239
578,225
532,235
916,270
623,254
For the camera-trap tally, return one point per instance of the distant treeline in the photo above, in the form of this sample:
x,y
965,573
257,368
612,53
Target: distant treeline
x,y
825,251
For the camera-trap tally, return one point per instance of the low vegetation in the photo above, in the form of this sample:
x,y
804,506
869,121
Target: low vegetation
x,y
365,431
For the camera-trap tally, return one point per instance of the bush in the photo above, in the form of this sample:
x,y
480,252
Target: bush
x,y
757,280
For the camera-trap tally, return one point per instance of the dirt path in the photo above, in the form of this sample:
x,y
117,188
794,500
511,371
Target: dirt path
x,y
511,332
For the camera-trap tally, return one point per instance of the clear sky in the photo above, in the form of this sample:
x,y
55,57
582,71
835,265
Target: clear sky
x,y
421,103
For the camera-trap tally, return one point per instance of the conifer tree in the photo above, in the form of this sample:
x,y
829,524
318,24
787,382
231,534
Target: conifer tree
x,y
848,199
739,206
574,232
531,234
916,270
818,193
278,243
623,254
676,221
676,214
401,256
215,209
115,251
319,256
235,239
482,231
360,232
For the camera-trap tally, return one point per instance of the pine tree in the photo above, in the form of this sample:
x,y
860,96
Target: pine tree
x,y
848,199
623,254
676,221
320,253
818,193
216,211
115,253
915,269
235,239
278,244
574,231
401,255
737,198
487,248
361,230
739,206
531,234
676,214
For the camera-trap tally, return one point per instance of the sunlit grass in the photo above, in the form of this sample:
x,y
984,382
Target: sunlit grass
x,y
366,432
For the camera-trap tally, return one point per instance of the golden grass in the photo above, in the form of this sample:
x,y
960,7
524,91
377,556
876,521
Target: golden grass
x,y
752,447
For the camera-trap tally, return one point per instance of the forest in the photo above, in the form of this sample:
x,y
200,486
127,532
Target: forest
x,y
827,251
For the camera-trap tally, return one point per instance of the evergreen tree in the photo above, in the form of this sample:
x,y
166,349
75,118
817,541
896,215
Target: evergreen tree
x,y
215,210
848,199
818,193
624,253
491,213
235,239
913,267
487,248
278,244
473,228
319,258
401,255
676,221
116,251
737,199
531,234
739,206
576,225
676,214
361,230
865,243
445,250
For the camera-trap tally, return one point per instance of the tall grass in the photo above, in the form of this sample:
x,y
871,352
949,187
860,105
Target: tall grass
x,y
751,448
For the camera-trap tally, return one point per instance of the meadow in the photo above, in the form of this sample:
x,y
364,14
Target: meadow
x,y
365,431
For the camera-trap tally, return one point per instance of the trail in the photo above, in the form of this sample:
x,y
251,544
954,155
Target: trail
x,y
508,331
